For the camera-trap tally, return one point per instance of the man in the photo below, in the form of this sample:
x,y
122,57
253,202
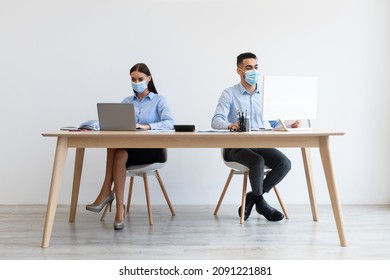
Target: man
x,y
246,97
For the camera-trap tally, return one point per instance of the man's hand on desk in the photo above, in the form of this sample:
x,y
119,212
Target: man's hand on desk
x,y
234,126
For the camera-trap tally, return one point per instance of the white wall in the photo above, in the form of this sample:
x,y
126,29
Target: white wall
x,y
59,58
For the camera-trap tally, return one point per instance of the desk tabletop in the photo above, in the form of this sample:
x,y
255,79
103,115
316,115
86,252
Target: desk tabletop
x,y
172,139
195,134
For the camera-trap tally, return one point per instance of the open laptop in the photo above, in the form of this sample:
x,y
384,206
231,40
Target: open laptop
x,y
116,116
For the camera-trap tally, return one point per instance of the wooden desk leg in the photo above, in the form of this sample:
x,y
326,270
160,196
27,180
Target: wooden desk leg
x,y
78,168
309,181
332,188
55,186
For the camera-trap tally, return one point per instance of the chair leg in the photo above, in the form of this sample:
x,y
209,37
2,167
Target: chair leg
x,y
243,199
164,192
224,191
130,194
280,201
145,176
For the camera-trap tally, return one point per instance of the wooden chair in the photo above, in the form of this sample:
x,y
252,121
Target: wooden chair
x,y
144,171
239,169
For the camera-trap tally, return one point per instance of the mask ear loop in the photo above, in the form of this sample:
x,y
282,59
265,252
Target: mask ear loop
x,y
243,74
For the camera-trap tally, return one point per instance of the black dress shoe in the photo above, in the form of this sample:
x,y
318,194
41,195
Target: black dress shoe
x,y
270,213
250,200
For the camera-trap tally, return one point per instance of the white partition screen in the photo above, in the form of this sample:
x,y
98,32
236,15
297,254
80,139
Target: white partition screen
x,y
289,98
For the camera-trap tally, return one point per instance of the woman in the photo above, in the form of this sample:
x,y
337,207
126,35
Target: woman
x,y
152,112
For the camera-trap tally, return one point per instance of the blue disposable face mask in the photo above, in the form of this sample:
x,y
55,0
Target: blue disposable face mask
x,y
139,87
252,76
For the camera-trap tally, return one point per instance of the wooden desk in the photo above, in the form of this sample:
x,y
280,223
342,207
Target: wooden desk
x,y
164,139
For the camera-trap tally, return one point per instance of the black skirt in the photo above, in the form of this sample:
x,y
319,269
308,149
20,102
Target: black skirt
x,y
145,156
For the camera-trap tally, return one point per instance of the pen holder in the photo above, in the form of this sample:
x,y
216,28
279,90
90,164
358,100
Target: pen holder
x,y
245,125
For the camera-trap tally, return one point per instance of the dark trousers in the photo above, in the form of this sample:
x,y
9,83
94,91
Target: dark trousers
x,y
256,159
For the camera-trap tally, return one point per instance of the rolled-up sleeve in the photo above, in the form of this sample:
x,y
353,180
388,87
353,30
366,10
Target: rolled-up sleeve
x,y
220,118
165,116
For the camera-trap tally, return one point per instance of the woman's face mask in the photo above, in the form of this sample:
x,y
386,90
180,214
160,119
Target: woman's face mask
x,y
139,87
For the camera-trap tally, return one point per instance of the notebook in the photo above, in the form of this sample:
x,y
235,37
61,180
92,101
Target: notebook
x,y
116,116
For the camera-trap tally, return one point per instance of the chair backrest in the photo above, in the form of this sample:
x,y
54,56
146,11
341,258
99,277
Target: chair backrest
x,y
165,154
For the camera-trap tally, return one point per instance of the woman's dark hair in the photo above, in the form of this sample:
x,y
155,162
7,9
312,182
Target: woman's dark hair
x,y
141,67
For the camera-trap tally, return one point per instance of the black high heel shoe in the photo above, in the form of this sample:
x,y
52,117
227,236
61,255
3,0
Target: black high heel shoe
x,y
98,207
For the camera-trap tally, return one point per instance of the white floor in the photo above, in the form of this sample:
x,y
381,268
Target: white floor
x,y
195,233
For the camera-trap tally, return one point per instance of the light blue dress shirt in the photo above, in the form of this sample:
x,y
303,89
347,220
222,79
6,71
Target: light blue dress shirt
x,y
236,99
153,110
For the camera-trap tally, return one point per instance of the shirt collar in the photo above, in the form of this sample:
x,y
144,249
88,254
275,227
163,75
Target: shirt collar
x,y
151,95
243,90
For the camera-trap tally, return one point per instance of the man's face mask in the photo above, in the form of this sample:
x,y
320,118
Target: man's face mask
x,y
252,76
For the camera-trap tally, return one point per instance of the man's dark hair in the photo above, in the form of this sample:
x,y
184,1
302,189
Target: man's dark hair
x,y
243,56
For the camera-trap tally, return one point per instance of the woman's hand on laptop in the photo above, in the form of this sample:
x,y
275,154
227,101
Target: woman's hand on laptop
x,y
143,126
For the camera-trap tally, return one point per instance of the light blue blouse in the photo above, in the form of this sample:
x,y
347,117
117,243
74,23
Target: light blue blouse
x,y
153,110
